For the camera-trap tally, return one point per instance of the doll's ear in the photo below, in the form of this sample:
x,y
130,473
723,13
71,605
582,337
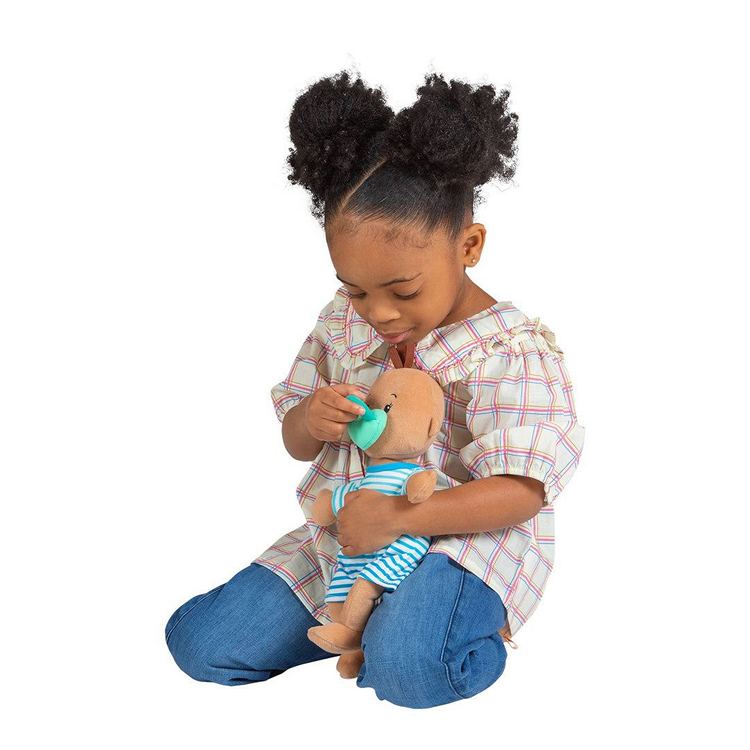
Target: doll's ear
x,y
432,430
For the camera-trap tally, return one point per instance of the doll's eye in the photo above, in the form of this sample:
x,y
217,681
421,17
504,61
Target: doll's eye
x,y
387,408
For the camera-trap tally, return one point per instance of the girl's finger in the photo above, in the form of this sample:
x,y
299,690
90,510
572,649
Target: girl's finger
x,y
347,389
331,435
337,401
336,415
327,430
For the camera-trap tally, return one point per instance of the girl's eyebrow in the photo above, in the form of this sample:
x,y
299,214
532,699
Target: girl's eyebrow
x,y
387,283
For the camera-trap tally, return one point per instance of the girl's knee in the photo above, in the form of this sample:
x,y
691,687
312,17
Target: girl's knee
x,y
204,655
410,674
188,641
193,654
477,667
199,647
247,630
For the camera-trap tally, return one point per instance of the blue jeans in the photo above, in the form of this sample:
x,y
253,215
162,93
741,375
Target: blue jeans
x,y
431,641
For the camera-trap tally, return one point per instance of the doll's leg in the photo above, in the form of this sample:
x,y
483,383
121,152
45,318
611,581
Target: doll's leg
x,y
249,629
344,636
349,664
434,639
334,610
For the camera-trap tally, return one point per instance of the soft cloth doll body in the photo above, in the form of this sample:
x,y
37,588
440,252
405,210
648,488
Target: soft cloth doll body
x,y
389,565
405,413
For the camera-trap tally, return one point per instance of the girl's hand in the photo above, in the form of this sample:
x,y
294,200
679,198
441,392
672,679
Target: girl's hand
x,y
367,522
328,411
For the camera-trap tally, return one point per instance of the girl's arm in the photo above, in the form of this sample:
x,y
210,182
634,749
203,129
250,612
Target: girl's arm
x,y
299,443
370,520
478,505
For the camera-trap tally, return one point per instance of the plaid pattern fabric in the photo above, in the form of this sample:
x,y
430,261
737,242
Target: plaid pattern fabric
x,y
509,410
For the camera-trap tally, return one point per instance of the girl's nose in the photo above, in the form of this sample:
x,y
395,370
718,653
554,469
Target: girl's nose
x,y
381,315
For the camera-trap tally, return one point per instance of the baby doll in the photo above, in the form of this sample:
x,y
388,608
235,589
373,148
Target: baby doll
x,y
404,413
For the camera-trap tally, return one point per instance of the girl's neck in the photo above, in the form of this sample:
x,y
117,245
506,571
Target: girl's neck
x,y
471,301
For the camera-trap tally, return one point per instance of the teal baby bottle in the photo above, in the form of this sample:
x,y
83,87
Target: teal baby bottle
x,y
368,427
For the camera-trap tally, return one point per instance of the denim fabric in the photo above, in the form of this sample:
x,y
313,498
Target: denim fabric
x,y
249,629
432,641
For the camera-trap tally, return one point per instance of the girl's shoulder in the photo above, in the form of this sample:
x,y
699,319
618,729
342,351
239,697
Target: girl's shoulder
x,y
449,352
518,332
498,332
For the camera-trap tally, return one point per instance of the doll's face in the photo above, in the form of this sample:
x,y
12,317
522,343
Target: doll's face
x,y
402,281
414,404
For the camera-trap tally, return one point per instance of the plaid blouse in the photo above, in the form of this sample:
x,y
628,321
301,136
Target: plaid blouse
x,y
508,410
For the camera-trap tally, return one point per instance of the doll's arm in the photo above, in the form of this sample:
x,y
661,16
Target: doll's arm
x,y
421,485
322,511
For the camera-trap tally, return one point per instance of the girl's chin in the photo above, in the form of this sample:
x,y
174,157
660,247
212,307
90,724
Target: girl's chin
x,y
414,337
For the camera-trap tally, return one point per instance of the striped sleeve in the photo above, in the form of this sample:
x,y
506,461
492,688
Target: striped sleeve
x,y
339,494
522,419
309,371
408,476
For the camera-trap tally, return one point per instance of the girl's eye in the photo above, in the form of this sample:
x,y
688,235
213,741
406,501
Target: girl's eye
x,y
407,296
387,408
398,296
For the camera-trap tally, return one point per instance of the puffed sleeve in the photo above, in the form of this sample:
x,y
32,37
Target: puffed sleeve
x,y
309,371
522,418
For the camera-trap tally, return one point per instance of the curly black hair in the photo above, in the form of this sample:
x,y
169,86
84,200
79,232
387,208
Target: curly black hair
x,y
421,167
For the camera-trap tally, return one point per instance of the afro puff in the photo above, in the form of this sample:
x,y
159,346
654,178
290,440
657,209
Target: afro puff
x,y
425,163
334,126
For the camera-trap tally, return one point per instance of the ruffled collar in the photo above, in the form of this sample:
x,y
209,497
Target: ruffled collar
x,y
449,352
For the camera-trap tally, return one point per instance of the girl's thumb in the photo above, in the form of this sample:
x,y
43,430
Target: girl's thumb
x,y
348,389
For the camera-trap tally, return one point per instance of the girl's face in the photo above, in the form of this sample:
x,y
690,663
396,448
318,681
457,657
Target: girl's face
x,y
402,283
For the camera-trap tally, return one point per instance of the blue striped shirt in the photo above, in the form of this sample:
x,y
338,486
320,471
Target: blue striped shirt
x,y
389,565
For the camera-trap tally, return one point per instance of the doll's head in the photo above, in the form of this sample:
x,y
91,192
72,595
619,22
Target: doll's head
x,y
405,413
395,193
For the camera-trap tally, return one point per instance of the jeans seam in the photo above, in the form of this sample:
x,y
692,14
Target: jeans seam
x,y
447,633
182,616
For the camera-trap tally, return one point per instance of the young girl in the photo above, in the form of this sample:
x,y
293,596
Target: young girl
x,y
395,194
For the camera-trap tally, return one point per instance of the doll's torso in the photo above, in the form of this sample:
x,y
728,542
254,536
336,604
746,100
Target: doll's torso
x,y
389,565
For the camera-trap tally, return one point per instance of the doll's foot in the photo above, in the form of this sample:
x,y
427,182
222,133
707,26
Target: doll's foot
x,y
350,663
335,638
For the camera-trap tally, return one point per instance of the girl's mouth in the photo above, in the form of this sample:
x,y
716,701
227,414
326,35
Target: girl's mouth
x,y
396,338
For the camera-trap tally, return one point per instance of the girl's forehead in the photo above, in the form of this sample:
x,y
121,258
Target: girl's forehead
x,y
374,251
375,267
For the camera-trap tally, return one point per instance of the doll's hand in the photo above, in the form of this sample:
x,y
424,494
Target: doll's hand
x,y
328,411
367,522
421,486
322,512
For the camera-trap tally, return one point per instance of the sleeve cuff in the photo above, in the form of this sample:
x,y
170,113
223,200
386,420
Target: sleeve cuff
x,y
282,404
547,451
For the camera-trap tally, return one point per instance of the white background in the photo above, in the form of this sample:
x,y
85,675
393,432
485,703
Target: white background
x,y
159,273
